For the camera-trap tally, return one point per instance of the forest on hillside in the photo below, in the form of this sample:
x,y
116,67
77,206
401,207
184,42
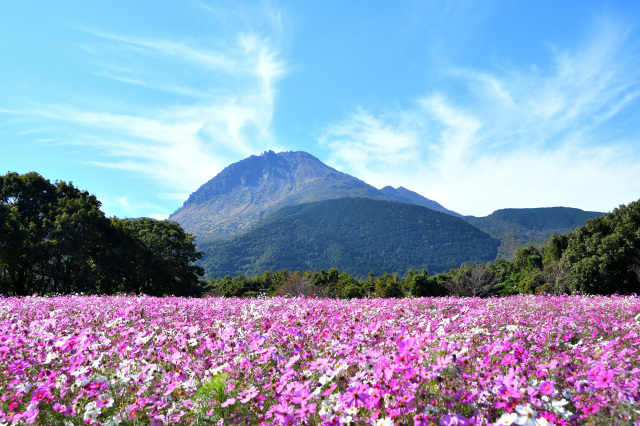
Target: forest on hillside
x,y
359,235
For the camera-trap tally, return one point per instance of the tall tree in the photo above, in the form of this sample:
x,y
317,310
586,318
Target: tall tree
x,y
602,254
157,258
26,202
55,238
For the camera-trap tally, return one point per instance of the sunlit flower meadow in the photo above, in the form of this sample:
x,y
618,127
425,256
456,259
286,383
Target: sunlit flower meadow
x,y
446,361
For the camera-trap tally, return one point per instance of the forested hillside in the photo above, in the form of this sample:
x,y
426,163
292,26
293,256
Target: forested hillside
x,y
516,228
354,234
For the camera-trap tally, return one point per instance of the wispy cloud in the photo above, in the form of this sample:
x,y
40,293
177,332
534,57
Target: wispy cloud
x,y
524,138
226,85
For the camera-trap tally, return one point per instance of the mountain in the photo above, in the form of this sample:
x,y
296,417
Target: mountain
x,y
521,227
357,235
241,194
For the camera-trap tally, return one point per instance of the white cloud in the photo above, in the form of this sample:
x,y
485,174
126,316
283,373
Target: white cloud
x,y
226,86
525,138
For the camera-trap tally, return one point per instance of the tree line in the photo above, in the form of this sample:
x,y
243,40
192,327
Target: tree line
x,y
55,239
601,257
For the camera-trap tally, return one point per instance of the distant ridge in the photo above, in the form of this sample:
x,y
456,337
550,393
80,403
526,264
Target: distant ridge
x,y
244,192
534,226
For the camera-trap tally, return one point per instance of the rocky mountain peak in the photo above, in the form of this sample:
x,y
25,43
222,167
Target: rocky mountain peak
x,y
245,191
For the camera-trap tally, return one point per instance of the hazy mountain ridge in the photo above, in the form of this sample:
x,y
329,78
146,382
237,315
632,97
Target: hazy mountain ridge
x,y
355,234
244,192
521,227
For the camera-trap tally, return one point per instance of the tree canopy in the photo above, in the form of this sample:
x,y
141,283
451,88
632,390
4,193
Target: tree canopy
x,y
55,239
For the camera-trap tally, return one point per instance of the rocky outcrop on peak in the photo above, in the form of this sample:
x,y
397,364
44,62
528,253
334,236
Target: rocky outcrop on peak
x,y
244,192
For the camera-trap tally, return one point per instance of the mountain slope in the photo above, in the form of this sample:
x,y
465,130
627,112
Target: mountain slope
x,y
407,196
521,227
357,235
244,192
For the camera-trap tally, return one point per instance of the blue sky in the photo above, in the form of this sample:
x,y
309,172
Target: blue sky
x,y
478,105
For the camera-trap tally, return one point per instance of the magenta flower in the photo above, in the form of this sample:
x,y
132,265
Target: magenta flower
x,y
356,396
17,367
284,415
604,379
420,420
509,392
546,387
40,394
454,419
76,362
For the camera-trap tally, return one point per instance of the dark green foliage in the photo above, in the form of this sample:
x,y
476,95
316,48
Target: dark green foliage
x,y
517,228
423,285
332,284
523,275
388,286
55,239
157,258
243,286
354,234
604,255
52,236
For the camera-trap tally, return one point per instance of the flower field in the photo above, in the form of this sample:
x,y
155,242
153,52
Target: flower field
x,y
445,361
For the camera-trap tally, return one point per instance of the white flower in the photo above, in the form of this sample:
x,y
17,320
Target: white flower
x,y
24,387
80,371
387,421
558,406
506,419
50,357
114,421
91,411
528,417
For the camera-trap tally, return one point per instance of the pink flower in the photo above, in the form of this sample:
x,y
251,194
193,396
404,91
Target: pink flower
x,y
17,367
420,420
546,387
604,379
355,396
306,409
228,402
76,362
301,396
454,419
442,363
31,415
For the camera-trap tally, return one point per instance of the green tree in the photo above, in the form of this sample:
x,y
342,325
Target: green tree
x,y
388,286
603,254
422,285
157,257
55,238
52,236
